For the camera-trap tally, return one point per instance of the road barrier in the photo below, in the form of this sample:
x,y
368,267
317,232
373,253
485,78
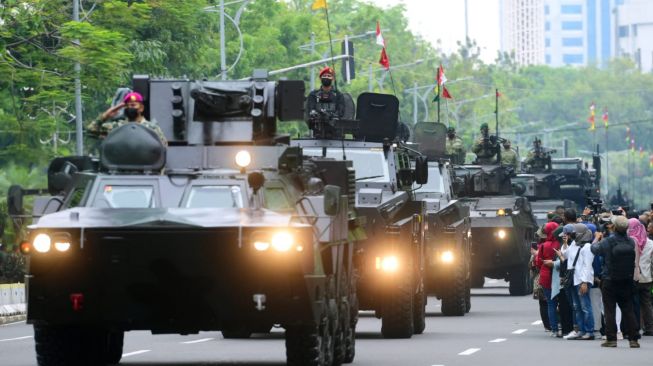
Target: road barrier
x,y
12,299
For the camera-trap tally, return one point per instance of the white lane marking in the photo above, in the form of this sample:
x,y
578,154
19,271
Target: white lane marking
x,y
199,340
15,339
520,331
469,352
498,340
135,353
8,324
537,322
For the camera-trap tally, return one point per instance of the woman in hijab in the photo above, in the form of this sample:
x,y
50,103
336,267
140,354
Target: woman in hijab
x,y
547,253
644,255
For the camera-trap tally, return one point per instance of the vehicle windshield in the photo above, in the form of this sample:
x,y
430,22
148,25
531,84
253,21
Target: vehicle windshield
x,y
370,164
435,183
215,197
113,196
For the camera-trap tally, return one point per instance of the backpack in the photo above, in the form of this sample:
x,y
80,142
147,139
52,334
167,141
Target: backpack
x,y
622,263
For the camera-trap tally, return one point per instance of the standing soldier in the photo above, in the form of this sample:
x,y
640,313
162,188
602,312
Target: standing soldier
x,y
486,147
454,147
509,156
133,109
326,99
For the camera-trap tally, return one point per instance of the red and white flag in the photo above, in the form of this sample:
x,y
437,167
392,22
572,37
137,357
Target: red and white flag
x,y
379,37
383,60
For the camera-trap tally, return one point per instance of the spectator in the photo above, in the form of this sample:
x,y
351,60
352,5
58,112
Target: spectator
x,y
583,280
548,254
645,254
570,252
617,285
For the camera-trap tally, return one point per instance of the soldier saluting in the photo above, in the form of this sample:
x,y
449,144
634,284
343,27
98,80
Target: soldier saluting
x,y
133,108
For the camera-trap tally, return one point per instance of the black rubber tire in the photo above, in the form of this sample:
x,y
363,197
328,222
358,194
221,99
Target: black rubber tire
x,y
350,335
520,281
397,314
454,298
236,333
309,345
419,310
68,346
115,342
468,296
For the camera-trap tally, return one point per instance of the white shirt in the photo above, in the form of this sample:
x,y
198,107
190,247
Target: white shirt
x,y
645,258
570,254
584,271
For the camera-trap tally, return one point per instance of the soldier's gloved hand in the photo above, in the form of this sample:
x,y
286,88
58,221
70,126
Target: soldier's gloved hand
x,y
493,139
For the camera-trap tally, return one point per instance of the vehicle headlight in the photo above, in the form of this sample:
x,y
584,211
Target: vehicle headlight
x,y
243,158
282,241
387,264
42,243
62,246
447,256
501,212
501,234
261,245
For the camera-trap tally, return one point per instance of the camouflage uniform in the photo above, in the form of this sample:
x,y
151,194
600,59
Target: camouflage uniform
x,y
509,157
102,129
456,149
536,162
485,151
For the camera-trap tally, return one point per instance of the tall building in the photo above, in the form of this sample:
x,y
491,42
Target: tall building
x,y
522,25
634,21
579,32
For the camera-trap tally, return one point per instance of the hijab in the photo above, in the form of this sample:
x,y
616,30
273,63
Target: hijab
x,y
637,231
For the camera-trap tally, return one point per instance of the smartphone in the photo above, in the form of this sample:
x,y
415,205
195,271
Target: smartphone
x,y
617,212
534,245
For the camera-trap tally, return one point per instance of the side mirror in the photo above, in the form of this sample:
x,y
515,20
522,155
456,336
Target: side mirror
x,y
421,170
331,200
15,200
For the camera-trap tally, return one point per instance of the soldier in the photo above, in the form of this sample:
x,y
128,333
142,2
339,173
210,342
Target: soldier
x,y
133,111
486,147
454,147
326,99
539,158
509,156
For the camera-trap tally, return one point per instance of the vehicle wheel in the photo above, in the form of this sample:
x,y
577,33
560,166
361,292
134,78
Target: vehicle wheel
x,y
454,299
520,281
397,315
310,345
350,335
468,296
67,346
241,333
115,341
419,310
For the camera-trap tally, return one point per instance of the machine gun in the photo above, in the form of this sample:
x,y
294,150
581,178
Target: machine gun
x,y
328,126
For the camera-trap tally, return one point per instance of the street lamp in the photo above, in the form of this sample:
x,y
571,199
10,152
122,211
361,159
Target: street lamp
x,y
235,21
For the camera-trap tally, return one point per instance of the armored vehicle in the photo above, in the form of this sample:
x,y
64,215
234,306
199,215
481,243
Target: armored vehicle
x,y
579,180
448,234
228,228
503,226
543,192
388,226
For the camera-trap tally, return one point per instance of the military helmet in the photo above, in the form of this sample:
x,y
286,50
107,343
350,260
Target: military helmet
x,y
451,130
484,125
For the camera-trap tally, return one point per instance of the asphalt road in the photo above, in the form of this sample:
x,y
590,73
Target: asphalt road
x,y
500,330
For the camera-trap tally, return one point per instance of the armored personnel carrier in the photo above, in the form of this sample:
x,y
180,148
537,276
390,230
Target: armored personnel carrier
x,y
228,228
543,191
503,226
388,228
448,234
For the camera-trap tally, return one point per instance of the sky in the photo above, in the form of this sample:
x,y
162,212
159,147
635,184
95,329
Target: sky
x,y
445,20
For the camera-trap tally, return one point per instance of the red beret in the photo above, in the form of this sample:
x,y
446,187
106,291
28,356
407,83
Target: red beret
x,y
326,70
133,97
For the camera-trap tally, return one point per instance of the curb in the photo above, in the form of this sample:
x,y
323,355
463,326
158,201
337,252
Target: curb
x,y
12,318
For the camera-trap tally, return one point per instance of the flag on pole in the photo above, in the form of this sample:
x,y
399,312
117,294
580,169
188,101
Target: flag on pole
x,y
605,117
591,119
379,37
383,60
499,95
441,80
319,4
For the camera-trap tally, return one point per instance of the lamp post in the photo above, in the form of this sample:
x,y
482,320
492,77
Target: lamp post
x,y
235,21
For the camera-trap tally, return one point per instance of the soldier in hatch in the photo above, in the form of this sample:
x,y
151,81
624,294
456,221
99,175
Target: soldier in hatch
x,y
326,99
509,156
133,109
486,147
539,158
454,147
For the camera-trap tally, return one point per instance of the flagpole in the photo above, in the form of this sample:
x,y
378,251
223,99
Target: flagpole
x,y
496,113
335,79
437,81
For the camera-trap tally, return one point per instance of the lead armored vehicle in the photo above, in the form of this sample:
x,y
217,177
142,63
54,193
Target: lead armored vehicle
x,y
448,233
388,225
228,228
503,226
